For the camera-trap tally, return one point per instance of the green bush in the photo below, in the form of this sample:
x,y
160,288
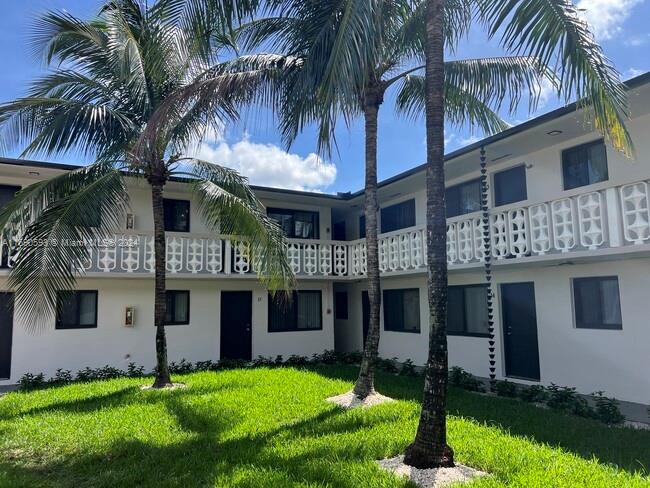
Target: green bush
x,y
61,377
408,369
134,371
533,394
567,400
30,381
462,379
505,388
607,410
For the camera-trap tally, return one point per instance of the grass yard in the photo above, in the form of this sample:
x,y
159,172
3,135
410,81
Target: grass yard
x,y
271,427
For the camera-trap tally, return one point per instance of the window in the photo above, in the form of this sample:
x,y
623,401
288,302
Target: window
x,y
464,198
510,186
597,303
303,311
398,216
76,310
402,310
341,305
467,310
177,215
362,227
178,307
298,224
584,165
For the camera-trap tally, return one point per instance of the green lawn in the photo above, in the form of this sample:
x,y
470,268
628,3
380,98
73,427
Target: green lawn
x,y
271,427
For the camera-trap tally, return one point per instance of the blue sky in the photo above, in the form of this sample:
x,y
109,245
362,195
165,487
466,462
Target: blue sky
x,y
254,148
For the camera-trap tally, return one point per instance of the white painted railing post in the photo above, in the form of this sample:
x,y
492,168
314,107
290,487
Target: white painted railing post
x,y
228,257
614,223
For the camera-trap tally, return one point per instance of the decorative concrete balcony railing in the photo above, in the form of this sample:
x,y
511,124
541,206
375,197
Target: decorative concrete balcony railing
x,y
576,225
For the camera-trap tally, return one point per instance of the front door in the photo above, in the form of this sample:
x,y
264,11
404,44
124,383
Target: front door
x,y
520,330
236,320
365,315
6,332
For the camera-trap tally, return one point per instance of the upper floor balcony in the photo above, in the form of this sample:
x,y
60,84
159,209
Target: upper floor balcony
x,y
583,224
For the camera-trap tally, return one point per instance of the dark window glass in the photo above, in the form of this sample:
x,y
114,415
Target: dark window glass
x,y
177,215
178,307
510,186
7,193
76,310
303,311
398,216
584,165
464,198
297,224
597,303
402,310
341,305
467,310
362,227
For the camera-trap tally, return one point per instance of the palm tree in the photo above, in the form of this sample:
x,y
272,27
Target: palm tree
x,y
133,89
347,54
551,31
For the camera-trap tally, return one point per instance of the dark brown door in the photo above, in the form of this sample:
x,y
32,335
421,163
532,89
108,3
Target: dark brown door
x,y
520,330
236,324
6,333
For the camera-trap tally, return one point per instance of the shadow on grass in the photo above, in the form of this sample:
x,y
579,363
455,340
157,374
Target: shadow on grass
x,y
627,448
275,457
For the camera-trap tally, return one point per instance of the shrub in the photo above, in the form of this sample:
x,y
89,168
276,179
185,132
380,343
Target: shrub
x,y
567,400
607,410
462,379
297,361
134,371
533,394
278,361
232,363
205,366
354,357
505,388
61,377
30,381
408,369
182,367
326,357
387,365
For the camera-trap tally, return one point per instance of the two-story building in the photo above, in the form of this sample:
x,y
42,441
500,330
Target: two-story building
x,y
569,227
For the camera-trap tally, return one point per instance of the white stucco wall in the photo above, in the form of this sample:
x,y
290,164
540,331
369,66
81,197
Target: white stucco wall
x,y
111,343
617,361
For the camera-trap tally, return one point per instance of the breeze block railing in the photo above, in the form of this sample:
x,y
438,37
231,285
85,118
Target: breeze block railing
x,y
613,217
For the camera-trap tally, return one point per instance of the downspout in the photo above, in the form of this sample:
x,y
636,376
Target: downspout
x,y
487,267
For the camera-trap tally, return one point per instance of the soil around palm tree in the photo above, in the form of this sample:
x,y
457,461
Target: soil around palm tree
x,y
431,477
167,386
350,400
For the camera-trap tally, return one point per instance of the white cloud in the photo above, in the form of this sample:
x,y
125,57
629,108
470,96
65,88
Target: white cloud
x,y
638,40
545,91
269,165
606,17
632,72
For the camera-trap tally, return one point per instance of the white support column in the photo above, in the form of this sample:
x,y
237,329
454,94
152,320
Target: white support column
x,y
614,224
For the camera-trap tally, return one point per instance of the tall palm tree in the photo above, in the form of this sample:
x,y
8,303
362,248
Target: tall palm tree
x,y
551,31
347,54
112,81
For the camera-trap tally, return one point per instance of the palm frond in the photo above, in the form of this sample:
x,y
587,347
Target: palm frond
x,y
552,31
55,222
229,206
462,107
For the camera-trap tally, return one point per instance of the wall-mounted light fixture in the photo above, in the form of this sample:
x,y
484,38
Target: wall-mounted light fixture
x,y
129,316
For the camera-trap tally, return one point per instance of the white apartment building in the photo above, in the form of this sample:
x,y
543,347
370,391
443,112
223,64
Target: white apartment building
x,y
569,224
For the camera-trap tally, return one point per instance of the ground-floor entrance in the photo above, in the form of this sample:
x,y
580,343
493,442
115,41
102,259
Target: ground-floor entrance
x,y
6,333
236,325
519,319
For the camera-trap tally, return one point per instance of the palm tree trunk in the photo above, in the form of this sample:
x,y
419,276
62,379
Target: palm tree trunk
x,y
430,449
160,301
365,384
